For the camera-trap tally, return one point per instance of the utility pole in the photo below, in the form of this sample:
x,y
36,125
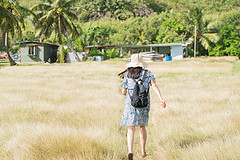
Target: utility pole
x,y
195,40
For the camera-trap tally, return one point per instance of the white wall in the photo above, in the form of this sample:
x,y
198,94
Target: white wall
x,y
71,57
177,52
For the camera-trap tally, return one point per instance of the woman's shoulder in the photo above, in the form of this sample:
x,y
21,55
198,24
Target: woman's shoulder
x,y
125,74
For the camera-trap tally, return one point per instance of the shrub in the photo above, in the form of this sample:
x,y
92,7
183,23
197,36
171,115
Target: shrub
x,y
108,54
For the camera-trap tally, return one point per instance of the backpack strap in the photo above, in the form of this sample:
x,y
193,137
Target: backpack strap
x,y
134,80
144,75
129,95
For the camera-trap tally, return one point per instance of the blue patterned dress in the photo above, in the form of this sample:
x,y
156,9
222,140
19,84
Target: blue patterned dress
x,y
136,116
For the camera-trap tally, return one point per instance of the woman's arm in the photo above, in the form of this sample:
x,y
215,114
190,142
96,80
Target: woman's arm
x,y
157,91
124,91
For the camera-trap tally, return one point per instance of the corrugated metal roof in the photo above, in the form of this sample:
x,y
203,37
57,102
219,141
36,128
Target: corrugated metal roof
x,y
136,46
99,46
164,44
36,42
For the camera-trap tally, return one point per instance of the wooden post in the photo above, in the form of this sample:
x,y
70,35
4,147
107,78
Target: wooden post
x,y
195,41
121,52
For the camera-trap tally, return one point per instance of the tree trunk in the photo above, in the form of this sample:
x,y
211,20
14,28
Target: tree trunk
x,y
12,63
62,57
197,43
76,56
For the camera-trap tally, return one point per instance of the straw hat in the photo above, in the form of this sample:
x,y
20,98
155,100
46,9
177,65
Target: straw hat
x,y
137,61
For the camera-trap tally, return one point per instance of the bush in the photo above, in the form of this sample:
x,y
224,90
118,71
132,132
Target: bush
x,y
14,49
108,54
94,52
111,53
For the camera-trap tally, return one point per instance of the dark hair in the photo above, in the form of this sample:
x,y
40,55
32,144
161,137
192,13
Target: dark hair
x,y
133,72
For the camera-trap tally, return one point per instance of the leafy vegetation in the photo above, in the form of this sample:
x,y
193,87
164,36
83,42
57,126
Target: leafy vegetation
x,y
229,43
205,33
108,54
10,21
55,16
109,22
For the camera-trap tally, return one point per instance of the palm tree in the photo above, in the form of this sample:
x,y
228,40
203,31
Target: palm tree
x,y
56,16
10,21
204,33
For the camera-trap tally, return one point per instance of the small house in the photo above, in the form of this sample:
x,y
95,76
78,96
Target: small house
x,y
175,50
33,51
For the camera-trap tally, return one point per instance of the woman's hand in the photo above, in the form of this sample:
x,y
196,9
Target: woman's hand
x,y
124,91
163,104
157,91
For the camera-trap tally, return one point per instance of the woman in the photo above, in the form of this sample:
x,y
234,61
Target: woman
x,y
137,117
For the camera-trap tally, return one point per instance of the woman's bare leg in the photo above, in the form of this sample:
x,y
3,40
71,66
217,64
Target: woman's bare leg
x,y
143,138
130,137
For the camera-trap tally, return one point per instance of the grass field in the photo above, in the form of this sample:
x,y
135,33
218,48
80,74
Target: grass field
x,y
73,111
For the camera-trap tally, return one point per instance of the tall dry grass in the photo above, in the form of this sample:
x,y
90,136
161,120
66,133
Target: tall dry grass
x,y
73,111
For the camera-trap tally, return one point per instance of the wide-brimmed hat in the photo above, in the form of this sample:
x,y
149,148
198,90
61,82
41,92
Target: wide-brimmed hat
x,y
137,61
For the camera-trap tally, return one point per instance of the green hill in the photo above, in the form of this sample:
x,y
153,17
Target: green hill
x,y
104,7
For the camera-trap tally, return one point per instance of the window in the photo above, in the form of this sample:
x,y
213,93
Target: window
x,y
32,51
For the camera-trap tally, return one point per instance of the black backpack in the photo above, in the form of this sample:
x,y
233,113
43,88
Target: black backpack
x,y
139,98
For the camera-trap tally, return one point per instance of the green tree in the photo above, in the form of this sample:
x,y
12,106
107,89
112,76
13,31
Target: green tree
x,y
229,43
171,31
10,21
205,33
56,16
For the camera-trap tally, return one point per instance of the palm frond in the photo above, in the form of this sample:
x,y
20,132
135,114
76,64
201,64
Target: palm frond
x,y
16,10
38,32
71,15
70,3
207,38
72,27
56,3
40,7
18,15
9,22
46,18
205,42
4,13
213,37
46,1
